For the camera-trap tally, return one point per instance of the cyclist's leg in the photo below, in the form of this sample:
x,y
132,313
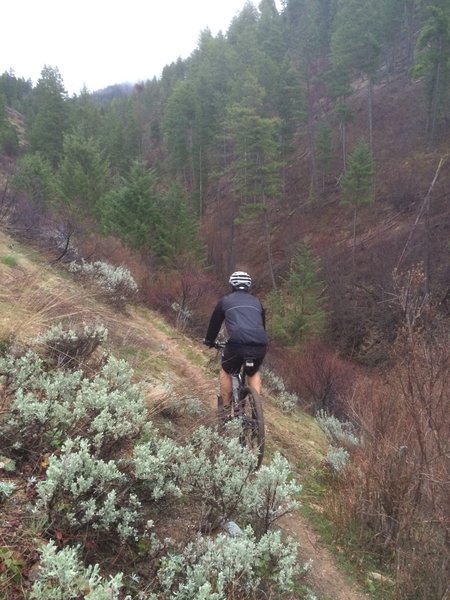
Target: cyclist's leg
x,y
231,363
254,381
226,388
253,374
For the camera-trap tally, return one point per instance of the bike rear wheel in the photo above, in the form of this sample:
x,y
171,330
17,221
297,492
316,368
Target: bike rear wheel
x,y
252,420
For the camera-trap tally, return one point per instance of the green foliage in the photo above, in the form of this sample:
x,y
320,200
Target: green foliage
x,y
341,436
130,210
357,36
35,176
12,566
9,141
61,574
176,229
16,90
433,61
296,310
357,182
337,432
284,399
81,491
215,472
6,490
83,175
48,407
150,218
256,164
223,568
51,116
10,261
156,467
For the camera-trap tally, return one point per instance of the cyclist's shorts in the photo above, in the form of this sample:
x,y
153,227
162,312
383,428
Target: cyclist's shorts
x,y
233,358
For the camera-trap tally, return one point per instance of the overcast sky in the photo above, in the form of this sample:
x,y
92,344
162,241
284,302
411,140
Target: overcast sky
x,y
101,42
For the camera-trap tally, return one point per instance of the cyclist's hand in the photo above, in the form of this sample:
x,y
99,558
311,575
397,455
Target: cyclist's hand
x,y
209,343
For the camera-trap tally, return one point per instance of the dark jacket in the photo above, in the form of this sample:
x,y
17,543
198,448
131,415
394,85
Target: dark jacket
x,y
244,318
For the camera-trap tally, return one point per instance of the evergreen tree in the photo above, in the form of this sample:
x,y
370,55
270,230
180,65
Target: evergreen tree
x,y
130,210
324,148
118,135
433,62
296,306
9,141
178,128
17,91
83,175
85,114
256,169
51,118
35,177
357,44
357,182
176,230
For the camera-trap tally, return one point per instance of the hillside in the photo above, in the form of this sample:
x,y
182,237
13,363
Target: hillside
x,y
176,372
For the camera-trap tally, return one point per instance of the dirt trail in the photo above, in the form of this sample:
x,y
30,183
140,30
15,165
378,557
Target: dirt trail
x,y
325,578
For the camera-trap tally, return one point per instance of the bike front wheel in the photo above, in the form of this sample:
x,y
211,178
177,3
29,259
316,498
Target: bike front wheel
x,y
252,420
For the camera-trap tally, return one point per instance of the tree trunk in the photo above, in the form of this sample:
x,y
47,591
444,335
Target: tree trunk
x,y
269,246
370,93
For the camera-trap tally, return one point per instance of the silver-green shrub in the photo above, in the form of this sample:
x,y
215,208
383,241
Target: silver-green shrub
x,y
337,432
6,490
274,493
62,576
215,472
341,435
82,491
225,568
49,406
287,401
218,473
156,466
18,372
71,347
337,458
117,283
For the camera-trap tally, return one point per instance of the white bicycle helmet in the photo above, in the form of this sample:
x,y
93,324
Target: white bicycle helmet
x,y
240,280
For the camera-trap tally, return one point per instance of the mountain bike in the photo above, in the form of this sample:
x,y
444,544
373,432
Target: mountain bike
x,y
246,405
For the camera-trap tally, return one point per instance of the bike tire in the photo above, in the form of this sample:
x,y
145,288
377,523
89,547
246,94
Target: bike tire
x,y
252,416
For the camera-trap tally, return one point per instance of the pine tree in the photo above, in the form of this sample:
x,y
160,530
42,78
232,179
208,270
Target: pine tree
x,y
324,148
130,210
176,231
357,182
51,118
36,178
296,306
256,169
83,175
433,62
357,44
9,141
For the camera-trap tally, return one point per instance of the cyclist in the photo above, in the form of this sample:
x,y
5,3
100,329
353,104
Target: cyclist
x,y
245,322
